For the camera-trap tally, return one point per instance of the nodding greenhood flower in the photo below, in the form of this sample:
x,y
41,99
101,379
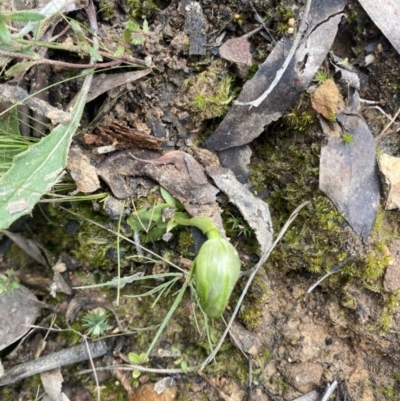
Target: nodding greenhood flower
x,y
216,267
216,271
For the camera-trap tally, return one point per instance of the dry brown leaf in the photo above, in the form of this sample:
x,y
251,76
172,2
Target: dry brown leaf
x,y
18,311
327,100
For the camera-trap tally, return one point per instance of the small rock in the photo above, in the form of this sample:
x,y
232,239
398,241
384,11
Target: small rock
x,y
148,393
244,339
303,376
237,51
389,167
391,281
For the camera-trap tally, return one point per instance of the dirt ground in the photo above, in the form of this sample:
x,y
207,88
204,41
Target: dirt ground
x,y
345,330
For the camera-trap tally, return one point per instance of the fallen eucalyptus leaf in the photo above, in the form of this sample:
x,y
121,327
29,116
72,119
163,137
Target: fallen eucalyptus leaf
x,y
254,210
241,125
349,172
18,310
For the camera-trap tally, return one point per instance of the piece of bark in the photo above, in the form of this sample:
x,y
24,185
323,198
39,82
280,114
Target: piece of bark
x,y
241,125
254,210
195,24
52,383
65,357
123,137
349,172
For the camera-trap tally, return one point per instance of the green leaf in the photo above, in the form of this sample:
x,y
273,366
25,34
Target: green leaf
x,y
4,33
94,53
136,358
25,16
137,222
35,171
169,199
184,367
120,50
155,214
136,374
171,224
145,26
137,41
78,31
157,232
19,67
132,26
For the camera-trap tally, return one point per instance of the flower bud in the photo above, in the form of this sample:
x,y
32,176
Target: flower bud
x,y
216,270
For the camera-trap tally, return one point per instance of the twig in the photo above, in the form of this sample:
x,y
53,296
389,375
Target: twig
x,y
329,391
335,269
93,367
55,360
281,71
259,19
383,132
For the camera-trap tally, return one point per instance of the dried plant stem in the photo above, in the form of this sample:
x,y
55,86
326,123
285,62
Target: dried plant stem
x,y
383,133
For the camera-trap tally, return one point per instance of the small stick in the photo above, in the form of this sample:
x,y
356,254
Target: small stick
x,y
383,132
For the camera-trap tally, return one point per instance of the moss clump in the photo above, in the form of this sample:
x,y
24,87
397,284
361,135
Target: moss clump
x,y
185,243
251,311
288,173
107,9
142,8
210,93
89,243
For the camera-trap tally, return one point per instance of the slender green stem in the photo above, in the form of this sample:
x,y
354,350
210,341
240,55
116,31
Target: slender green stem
x,y
80,50
177,301
118,253
204,224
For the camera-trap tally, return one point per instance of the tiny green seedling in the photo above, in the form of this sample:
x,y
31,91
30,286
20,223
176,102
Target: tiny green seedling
x,y
320,77
347,138
134,34
95,322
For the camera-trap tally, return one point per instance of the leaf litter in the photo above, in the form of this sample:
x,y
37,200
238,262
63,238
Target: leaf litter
x,y
185,178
